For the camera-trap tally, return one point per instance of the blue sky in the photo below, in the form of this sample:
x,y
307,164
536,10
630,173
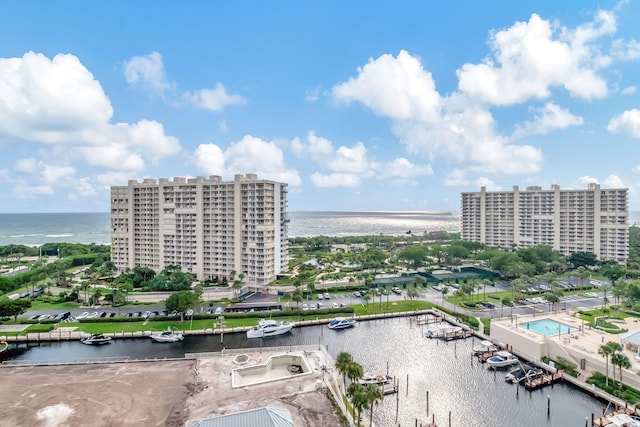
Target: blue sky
x,y
356,105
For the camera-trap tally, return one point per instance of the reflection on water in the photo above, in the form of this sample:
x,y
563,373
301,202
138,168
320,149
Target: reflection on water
x,y
455,381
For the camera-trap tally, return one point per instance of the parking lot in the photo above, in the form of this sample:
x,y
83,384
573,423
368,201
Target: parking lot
x,y
335,300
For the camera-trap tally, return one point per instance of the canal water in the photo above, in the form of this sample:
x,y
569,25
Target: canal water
x,y
456,382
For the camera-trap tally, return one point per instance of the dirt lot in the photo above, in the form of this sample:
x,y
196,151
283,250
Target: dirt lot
x,y
159,393
121,394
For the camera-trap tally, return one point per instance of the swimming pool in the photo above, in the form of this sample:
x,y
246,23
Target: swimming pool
x,y
549,327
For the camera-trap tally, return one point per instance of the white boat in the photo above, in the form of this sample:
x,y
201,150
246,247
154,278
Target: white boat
x,y
167,336
96,339
522,373
622,420
376,377
269,328
484,346
502,359
341,323
441,329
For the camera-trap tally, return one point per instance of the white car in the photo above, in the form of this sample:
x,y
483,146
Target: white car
x,y
305,307
219,310
335,305
327,296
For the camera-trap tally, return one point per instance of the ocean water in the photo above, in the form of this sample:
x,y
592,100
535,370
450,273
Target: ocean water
x,y
34,229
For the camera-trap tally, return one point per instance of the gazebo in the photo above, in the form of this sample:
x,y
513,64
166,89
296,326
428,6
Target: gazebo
x,y
631,341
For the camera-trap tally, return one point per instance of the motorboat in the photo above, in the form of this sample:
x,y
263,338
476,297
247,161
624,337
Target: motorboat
x,y
269,328
441,329
484,346
167,336
622,420
96,339
376,377
501,360
341,323
522,373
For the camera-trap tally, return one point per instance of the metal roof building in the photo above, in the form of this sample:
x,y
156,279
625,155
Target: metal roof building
x,y
260,417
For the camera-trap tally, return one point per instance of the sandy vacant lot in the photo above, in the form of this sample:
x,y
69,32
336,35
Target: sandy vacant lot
x,y
120,394
158,393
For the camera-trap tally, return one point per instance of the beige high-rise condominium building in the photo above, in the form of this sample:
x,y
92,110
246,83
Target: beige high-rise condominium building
x,y
205,225
591,220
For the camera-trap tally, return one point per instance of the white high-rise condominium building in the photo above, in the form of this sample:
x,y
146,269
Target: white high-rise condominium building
x,y
592,220
206,226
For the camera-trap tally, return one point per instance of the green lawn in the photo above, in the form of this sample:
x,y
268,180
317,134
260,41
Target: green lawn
x,y
48,306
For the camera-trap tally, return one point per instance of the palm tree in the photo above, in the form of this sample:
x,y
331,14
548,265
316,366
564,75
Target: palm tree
x,y
605,287
373,392
343,361
354,371
605,351
621,361
358,399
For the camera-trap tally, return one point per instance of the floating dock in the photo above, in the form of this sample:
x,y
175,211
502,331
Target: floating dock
x,y
429,318
456,335
543,381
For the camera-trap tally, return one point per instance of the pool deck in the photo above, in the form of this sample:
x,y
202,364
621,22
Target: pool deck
x,y
581,344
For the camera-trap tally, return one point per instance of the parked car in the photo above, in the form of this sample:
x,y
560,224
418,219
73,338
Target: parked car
x,y
218,310
305,307
320,296
396,290
326,295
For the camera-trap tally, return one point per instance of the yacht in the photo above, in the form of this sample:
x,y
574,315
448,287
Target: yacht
x,y
96,339
501,360
441,329
269,328
167,336
376,377
484,346
522,373
341,323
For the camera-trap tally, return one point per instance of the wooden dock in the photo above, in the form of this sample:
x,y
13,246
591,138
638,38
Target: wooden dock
x,y
606,419
543,381
427,319
482,357
389,388
457,335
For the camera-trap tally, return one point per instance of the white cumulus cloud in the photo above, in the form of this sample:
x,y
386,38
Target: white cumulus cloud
x,y
215,99
530,58
148,72
49,100
613,181
395,87
454,128
249,155
548,118
627,122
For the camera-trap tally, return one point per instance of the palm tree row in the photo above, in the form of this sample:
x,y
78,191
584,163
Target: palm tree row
x,y
362,396
613,350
